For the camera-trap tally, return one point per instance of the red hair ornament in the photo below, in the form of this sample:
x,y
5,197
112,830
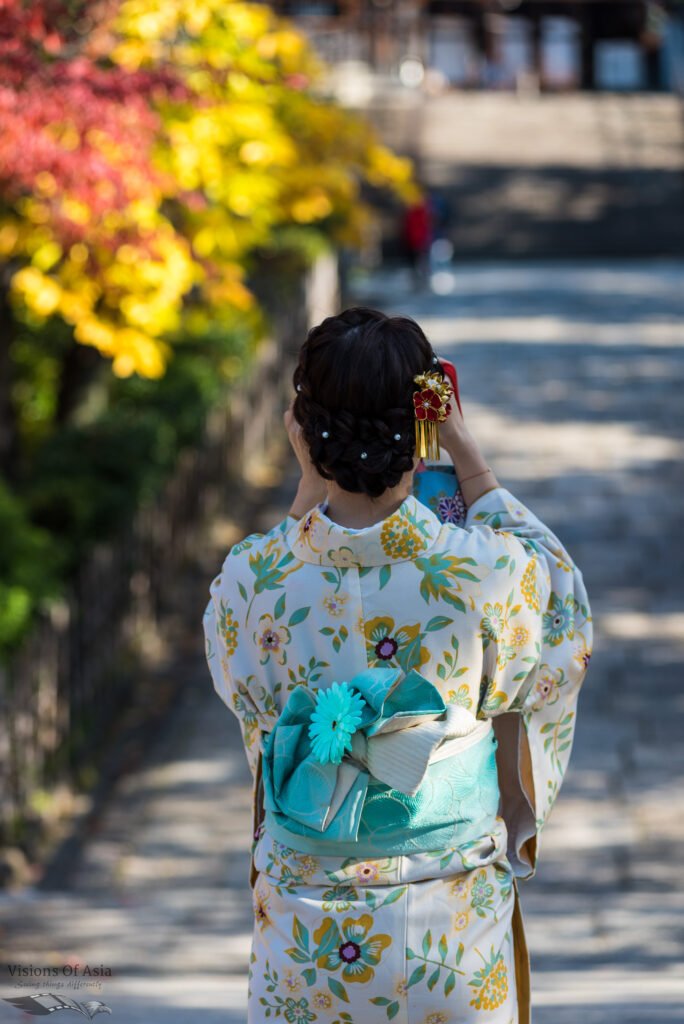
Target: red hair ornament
x,y
431,407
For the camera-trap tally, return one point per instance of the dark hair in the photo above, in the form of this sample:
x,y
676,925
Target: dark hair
x,y
354,384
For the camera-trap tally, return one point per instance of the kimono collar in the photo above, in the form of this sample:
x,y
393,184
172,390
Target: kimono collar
x,y
406,534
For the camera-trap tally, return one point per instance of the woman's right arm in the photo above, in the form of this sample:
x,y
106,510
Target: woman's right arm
x,y
536,629
475,477
250,699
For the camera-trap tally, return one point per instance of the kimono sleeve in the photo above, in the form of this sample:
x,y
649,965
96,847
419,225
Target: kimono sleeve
x,y
536,631
250,701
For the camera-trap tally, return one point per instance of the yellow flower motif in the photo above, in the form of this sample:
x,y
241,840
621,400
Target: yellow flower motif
x,y
291,982
546,688
528,586
342,558
436,1017
461,921
308,865
401,988
543,689
582,653
359,625
520,636
493,621
460,889
272,640
400,645
350,948
321,1000
229,628
366,872
491,982
334,604
400,538
461,697
306,531
261,910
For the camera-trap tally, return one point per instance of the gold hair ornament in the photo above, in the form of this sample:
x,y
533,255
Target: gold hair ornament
x,y
431,406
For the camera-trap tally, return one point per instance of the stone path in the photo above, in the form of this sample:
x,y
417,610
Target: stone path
x,y
571,377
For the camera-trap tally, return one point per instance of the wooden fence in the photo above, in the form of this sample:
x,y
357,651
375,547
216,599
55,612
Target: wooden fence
x,y
59,693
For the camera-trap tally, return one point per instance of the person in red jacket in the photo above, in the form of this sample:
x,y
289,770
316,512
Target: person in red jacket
x,y
418,232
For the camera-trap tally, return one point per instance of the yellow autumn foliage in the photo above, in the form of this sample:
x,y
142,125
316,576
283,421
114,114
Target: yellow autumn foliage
x,y
253,149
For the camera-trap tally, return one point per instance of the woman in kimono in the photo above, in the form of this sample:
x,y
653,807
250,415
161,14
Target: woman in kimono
x,y
405,673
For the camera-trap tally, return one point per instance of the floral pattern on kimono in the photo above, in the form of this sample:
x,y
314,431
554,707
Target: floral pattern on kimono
x,y
494,613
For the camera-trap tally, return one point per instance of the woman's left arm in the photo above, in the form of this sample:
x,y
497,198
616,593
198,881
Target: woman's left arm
x,y
536,629
312,488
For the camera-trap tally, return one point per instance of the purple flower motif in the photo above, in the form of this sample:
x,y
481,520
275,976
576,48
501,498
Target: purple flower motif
x,y
386,648
349,952
452,509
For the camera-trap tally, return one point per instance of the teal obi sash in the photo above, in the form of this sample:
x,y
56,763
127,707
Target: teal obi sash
x,y
420,775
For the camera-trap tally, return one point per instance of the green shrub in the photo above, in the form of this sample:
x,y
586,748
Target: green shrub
x,y
30,569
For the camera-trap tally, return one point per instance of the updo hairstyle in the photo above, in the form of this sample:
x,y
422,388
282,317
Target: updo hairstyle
x,y
354,396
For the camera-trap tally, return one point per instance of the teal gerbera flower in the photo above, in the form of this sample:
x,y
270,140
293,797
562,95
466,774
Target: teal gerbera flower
x,y
335,718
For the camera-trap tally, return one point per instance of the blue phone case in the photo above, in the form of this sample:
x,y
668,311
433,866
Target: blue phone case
x,y
436,486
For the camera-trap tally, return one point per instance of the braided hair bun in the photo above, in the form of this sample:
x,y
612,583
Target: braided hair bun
x,y
354,397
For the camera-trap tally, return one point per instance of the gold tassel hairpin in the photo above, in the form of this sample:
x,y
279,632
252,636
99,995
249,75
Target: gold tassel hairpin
x,y
432,406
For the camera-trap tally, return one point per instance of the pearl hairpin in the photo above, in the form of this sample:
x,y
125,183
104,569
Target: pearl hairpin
x,y
324,433
397,437
299,387
364,455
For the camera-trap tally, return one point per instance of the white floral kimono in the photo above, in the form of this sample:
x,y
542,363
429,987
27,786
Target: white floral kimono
x,y
494,615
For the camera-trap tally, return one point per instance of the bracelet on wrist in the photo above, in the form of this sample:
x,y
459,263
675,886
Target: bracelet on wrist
x,y
482,472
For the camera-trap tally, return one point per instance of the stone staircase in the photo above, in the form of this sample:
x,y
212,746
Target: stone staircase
x,y
538,176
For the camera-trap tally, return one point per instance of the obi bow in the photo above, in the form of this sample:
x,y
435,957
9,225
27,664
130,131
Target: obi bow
x,y
395,726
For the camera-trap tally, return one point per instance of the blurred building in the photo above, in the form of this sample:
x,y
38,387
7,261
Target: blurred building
x,y
504,44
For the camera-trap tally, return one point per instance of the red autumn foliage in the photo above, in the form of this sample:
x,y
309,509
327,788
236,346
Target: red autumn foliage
x,y
70,112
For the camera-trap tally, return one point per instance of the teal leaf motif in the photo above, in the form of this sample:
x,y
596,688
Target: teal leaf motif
x,y
300,934
330,941
417,975
439,622
299,616
392,898
338,989
298,955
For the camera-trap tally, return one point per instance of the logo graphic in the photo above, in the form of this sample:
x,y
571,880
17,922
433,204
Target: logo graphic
x,y
45,1003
